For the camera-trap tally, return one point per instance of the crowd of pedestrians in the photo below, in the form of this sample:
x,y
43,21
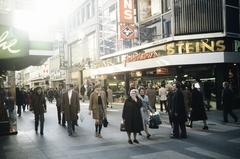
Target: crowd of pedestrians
x,y
183,106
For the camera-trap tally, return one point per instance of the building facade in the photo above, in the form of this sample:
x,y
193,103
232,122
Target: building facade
x,y
173,39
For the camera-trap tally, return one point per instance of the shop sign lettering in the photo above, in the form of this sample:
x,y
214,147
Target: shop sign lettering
x,y
5,44
103,63
198,46
139,57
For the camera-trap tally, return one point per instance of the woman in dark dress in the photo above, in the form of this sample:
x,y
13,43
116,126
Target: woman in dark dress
x,y
197,108
132,116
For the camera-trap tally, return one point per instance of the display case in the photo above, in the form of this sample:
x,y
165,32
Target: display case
x,y
8,120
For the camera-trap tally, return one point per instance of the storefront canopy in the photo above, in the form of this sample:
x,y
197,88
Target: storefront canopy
x,y
17,52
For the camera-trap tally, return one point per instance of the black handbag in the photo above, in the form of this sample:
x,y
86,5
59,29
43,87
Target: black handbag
x,y
105,122
122,126
152,124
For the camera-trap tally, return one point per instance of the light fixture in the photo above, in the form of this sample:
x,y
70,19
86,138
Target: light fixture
x,y
114,77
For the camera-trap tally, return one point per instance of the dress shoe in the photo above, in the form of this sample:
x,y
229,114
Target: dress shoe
x,y
130,142
135,141
99,135
41,133
63,125
225,121
148,136
205,128
174,137
96,134
76,124
70,134
236,120
189,125
184,137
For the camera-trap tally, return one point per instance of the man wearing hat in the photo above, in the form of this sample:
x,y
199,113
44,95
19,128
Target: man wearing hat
x,y
58,97
71,107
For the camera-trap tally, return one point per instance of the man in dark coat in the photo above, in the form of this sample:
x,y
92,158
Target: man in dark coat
x,y
71,107
178,112
19,101
132,116
82,91
39,107
58,97
227,96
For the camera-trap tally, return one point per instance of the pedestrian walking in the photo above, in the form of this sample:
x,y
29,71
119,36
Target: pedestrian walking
x,y
70,107
197,107
170,93
132,116
227,97
163,97
187,98
110,96
178,112
98,107
19,101
24,98
144,110
58,97
29,99
39,107
151,93
82,91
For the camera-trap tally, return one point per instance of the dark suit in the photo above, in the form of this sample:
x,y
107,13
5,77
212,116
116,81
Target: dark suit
x,y
178,106
58,97
227,96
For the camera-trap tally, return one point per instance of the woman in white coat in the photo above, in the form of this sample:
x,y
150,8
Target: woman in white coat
x,y
144,109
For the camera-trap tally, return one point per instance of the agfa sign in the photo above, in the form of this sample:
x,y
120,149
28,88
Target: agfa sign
x,y
13,42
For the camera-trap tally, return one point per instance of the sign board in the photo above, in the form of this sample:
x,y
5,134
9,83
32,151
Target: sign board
x,y
126,11
13,43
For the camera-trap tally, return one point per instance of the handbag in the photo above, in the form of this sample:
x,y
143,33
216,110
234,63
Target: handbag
x,y
81,117
152,124
105,122
122,126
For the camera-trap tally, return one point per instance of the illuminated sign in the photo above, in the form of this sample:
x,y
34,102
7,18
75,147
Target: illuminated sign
x,y
161,71
188,47
13,42
62,55
139,57
126,11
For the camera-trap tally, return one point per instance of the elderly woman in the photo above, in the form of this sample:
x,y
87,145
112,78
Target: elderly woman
x,y
132,116
144,110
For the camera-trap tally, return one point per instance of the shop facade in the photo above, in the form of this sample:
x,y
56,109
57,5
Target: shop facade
x,y
18,51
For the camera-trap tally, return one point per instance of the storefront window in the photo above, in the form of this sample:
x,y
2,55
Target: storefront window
x,y
8,121
75,53
166,28
150,31
148,8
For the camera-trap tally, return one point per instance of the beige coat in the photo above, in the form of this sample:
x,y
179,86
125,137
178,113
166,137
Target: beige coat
x,y
70,111
93,104
110,95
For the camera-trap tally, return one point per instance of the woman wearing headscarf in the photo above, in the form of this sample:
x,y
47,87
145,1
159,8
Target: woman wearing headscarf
x,y
144,110
197,108
132,116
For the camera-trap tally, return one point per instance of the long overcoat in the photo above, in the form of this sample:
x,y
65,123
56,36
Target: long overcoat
x,y
145,108
151,93
93,104
178,106
70,111
58,97
38,103
198,111
132,116
110,95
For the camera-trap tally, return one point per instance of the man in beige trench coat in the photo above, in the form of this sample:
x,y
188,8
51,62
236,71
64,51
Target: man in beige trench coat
x,y
71,107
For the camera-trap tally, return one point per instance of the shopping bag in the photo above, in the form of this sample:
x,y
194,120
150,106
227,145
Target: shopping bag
x,y
152,124
81,117
105,122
